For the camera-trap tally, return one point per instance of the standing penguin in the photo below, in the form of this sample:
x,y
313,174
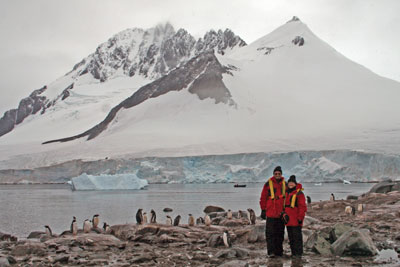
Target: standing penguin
x,y
332,197
86,226
48,230
139,216
169,220
207,220
74,226
95,220
308,200
239,214
106,228
229,215
144,218
153,217
227,239
199,221
191,220
177,219
251,216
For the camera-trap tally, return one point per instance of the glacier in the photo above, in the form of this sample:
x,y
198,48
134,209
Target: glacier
x,y
107,182
308,166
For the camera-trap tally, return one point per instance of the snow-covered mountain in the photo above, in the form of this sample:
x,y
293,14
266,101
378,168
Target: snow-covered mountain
x,y
161,93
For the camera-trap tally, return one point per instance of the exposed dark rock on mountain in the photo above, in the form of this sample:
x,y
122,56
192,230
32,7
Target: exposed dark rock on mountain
x,y
27,106
203,68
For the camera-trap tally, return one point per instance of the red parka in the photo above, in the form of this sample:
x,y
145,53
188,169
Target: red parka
x,y
273,206
295,208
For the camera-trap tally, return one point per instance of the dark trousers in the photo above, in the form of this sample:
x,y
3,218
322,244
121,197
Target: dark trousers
x,y
295,240
274,233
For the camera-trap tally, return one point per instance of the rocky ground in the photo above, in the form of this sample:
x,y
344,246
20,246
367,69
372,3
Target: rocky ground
x,y
331,238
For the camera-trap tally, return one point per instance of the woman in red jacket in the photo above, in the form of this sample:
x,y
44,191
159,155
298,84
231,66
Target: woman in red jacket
x,y
295,208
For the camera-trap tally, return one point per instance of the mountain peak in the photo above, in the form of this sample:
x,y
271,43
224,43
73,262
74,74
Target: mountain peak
x,y
294,19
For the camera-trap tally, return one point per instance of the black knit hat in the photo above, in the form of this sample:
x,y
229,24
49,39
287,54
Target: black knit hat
x,y
278,169
292,178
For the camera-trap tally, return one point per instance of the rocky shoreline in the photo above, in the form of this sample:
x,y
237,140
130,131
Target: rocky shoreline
x,y
372,236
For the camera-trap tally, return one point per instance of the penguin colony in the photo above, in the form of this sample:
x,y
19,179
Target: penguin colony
x,y
141,218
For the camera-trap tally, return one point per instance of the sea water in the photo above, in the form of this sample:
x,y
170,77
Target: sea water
x,y
26,208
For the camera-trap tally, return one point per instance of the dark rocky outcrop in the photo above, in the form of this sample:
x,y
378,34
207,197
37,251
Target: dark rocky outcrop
x,y
27,106
200,67
385,187
298,40
210,209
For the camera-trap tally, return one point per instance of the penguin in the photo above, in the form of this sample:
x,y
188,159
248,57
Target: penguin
x,y
169,220
191,220
144,218
199,221
251,216
153,217
332,197
95,220
227,239
207,220
308,200
87,226
229,215
48,230
139,216
177,219
239,214
74,226
106,228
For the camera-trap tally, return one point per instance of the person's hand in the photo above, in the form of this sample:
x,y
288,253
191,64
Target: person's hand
x,y
263,215
300,222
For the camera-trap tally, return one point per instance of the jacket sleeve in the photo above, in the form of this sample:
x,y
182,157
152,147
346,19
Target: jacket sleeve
x,y
301,203
263,198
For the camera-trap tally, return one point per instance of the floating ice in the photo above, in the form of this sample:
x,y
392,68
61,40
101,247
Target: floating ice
x,y
108,182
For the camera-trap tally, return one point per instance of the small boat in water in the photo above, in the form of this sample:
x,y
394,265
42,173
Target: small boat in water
x,y
346,182
239,185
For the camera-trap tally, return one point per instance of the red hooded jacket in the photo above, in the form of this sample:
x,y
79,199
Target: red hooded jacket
x,y
298,212
273,206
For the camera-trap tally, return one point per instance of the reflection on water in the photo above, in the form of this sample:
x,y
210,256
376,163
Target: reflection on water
x,y
25,208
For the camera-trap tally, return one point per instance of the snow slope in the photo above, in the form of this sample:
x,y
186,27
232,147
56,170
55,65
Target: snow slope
x,y
291,90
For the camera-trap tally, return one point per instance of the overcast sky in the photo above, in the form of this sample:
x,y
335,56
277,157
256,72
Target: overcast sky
x,y
41,40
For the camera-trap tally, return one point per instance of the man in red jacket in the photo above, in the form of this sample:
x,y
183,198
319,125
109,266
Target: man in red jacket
x,y
272,203
295,208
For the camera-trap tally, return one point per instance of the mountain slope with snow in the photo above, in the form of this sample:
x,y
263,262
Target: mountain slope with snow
x,y
287,91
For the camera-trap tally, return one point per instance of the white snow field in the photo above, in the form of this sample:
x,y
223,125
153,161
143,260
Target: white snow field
x,y
108,182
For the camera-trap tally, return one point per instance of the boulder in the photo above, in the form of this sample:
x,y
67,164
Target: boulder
x,y
385,187
337,230
257,234
352,197
210,209
354,243
7,237
319,244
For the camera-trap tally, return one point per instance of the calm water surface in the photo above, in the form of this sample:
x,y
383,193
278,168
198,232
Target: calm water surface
x,y
25,208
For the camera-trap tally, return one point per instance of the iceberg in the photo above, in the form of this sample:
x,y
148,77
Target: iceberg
x,y
108,182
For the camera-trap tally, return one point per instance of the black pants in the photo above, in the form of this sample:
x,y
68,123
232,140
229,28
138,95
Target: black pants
x,y
295,240
274,233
